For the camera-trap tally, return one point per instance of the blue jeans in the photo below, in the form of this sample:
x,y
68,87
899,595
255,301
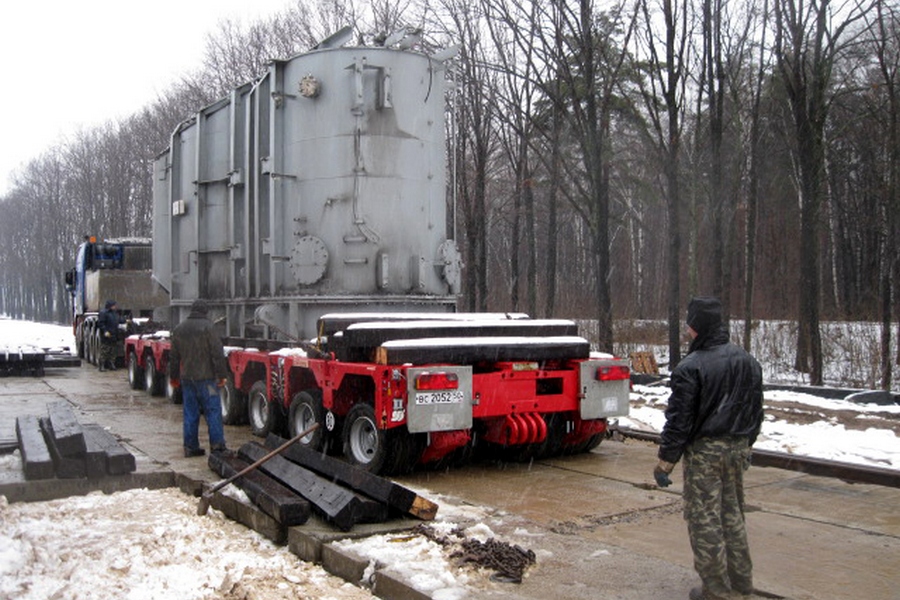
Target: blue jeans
x,y
197,395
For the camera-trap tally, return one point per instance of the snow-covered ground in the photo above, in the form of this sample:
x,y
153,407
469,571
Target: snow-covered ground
x,y
145,544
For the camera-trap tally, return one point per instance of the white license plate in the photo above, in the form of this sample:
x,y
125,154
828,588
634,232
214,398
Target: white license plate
x,y
448,397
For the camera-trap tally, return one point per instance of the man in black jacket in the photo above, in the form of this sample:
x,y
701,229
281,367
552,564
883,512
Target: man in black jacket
x,y
198,358
108,327
713,417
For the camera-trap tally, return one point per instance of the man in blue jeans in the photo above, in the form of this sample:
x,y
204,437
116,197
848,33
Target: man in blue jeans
x,y
198,358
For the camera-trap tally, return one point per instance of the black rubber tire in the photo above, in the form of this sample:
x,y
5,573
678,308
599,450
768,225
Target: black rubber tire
x,y
135,373
585,446
306,410
234,404
365,446
93,347
173,393
264,415
556,431
153,381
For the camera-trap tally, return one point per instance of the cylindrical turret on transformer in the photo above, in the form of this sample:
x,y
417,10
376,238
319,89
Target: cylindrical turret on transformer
x,y
320,187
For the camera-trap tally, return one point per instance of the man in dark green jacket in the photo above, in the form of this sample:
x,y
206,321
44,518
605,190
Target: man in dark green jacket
x,y
713,417
198,359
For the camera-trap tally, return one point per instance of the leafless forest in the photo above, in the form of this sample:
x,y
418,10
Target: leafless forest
x,y
609,159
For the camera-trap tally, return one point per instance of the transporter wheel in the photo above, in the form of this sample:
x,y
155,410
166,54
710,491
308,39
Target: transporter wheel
x,y
585,446
153,381
234,404
306,411
95,347
404,450
365,445
553,443
173,392
593,442
91,347
135,372
264,414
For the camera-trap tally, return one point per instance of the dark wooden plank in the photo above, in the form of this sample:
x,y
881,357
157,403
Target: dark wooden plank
x,y
67,467
116,459
378,488
67,431
36,460
372,335
337,504
274,499
94,456
332,323
359,341
454,350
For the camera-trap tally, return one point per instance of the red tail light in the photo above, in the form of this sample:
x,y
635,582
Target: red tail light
x,y
613,373
439,380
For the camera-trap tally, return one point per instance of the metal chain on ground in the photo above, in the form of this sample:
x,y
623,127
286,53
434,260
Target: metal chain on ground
x,y
508,561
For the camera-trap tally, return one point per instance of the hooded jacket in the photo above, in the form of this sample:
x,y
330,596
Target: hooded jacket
x,y
108,320
716,392
197,351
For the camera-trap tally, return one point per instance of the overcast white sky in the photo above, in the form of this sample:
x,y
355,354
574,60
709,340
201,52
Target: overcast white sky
x,y
67,65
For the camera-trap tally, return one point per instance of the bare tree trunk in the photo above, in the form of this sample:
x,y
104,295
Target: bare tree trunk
x,y
887,46
806,48
553,211
753,192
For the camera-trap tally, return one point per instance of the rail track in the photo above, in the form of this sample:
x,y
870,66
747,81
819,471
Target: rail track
x,y
849,472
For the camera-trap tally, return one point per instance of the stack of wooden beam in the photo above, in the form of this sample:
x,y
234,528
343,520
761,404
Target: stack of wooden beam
x,y
299,481
57,445
21,360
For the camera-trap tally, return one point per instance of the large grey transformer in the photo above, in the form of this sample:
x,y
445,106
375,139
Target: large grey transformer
x,y
320,187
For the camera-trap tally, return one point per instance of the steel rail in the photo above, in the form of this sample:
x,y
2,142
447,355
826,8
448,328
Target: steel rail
x,y
849,472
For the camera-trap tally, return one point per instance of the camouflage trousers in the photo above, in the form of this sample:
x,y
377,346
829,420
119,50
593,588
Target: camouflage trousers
x,y
107,358
714,511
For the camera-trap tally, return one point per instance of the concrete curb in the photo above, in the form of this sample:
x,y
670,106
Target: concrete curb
x,y
53,489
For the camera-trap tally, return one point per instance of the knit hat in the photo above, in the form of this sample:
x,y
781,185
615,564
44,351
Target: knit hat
x,y
110,304
199,308
704,314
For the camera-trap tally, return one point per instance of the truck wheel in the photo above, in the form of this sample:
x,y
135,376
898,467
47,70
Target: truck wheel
x,y
91,349
306,411
94,346
173,392
364,444
265,415
234,404
135,372
153,382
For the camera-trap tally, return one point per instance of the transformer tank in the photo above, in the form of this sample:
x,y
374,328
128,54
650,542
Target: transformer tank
x,y
318,188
